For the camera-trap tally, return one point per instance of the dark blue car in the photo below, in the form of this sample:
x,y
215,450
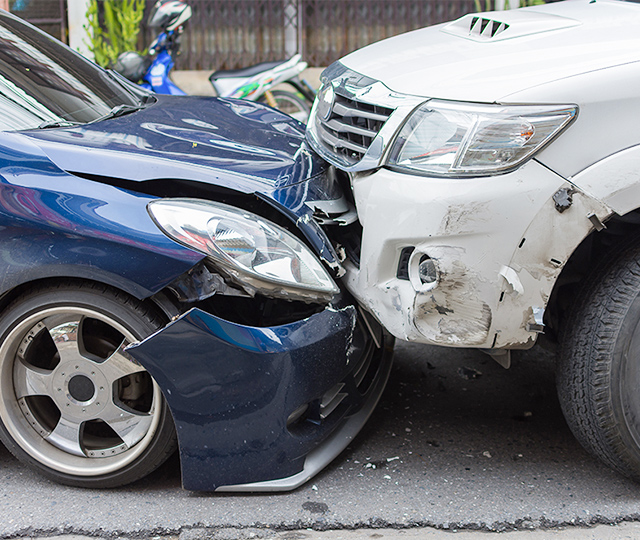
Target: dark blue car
x,y
169,278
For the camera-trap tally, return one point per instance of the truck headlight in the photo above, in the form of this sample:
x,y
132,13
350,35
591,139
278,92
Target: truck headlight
x,y
252,251
464,139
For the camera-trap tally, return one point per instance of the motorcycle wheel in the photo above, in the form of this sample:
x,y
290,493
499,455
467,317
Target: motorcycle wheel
x,y
290,104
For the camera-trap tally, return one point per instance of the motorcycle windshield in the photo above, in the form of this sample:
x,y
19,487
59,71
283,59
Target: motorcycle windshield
x,y
43,83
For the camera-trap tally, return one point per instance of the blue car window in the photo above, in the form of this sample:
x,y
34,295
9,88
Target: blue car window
x,y
43,83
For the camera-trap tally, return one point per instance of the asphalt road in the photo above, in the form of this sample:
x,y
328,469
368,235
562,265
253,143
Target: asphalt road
x,y
457,442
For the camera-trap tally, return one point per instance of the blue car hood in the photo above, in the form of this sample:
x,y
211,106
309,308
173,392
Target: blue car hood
x,y
240,145
232,143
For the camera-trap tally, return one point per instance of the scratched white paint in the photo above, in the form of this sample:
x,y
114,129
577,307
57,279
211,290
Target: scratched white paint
x,y
499,243
471,228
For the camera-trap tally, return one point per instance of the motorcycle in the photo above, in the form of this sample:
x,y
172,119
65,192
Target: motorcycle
x,y
255,83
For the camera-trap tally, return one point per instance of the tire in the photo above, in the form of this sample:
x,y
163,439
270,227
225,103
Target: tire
x,y
598,373
290,104
73,404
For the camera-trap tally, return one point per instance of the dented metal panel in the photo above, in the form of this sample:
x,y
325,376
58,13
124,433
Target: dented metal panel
x,y
498,244
537,261
233,389
615,180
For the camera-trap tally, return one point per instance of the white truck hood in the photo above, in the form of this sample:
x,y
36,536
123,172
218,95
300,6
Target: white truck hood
x,y
487,57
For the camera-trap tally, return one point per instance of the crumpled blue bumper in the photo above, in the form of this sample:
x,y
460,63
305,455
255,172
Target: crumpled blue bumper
x,y
265,409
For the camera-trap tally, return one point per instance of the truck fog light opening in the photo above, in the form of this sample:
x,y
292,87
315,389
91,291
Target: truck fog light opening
x,y
427,271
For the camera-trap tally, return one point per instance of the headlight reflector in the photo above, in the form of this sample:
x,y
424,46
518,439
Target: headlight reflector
x,y
463,139
257,254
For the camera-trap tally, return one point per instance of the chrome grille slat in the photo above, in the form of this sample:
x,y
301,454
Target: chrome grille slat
x,y
350,126
331,400
341,127
331,394
337,142
343,110
360,373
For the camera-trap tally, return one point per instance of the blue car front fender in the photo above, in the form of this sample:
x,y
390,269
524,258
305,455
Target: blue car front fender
x,y
53,224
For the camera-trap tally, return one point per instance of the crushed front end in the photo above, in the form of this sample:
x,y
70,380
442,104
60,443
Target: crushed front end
x,y
266,408
269,369
459,242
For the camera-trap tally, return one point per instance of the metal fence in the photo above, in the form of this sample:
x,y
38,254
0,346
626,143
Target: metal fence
x,y
228,34
333,28
48,15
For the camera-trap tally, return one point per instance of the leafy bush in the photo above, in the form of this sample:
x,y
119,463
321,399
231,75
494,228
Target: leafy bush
x,y
113,27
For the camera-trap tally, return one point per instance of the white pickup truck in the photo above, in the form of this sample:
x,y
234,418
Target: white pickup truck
x,y
495,167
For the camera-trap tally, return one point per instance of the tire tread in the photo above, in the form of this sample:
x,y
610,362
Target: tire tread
x,y
586,356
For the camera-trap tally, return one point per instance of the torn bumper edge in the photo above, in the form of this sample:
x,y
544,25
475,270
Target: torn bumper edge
x,y
494,244
324,454
232,388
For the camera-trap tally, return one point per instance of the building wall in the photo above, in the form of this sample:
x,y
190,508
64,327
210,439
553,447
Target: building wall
x,y
48,15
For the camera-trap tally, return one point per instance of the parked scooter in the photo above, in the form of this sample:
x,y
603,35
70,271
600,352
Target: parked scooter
x,y
254,83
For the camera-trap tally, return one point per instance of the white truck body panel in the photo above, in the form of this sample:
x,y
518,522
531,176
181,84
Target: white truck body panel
x,y
542,44
498,242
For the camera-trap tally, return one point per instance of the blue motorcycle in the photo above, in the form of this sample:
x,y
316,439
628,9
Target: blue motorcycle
x,y
255,83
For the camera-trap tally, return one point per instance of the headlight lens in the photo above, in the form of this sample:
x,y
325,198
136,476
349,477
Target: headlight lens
x,y
458,139
258,254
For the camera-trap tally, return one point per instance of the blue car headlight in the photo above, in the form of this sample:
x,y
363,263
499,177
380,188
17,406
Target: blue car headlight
x,y
255,253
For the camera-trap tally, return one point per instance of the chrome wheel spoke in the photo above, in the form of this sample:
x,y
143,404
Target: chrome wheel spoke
x,y
31,381
65,333
66,436
120,364
71,397
131,426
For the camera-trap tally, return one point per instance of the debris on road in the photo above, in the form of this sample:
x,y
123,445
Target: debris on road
x,y
469,373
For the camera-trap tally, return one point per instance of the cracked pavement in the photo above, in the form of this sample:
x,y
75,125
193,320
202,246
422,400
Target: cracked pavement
x,y
457,443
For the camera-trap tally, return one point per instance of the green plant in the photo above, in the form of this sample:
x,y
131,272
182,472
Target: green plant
x,y
113,27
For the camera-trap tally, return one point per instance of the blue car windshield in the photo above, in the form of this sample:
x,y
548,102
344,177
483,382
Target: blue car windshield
x,y
45,84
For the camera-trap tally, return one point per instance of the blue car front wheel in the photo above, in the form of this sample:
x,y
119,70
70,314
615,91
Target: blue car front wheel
x,y
73,403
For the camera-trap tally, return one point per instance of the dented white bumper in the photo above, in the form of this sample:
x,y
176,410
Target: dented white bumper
x,y
489,292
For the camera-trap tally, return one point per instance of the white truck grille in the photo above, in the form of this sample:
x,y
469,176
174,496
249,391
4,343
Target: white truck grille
x,y
351,127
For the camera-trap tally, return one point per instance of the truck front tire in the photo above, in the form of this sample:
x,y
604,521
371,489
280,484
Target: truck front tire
x,y
598,373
